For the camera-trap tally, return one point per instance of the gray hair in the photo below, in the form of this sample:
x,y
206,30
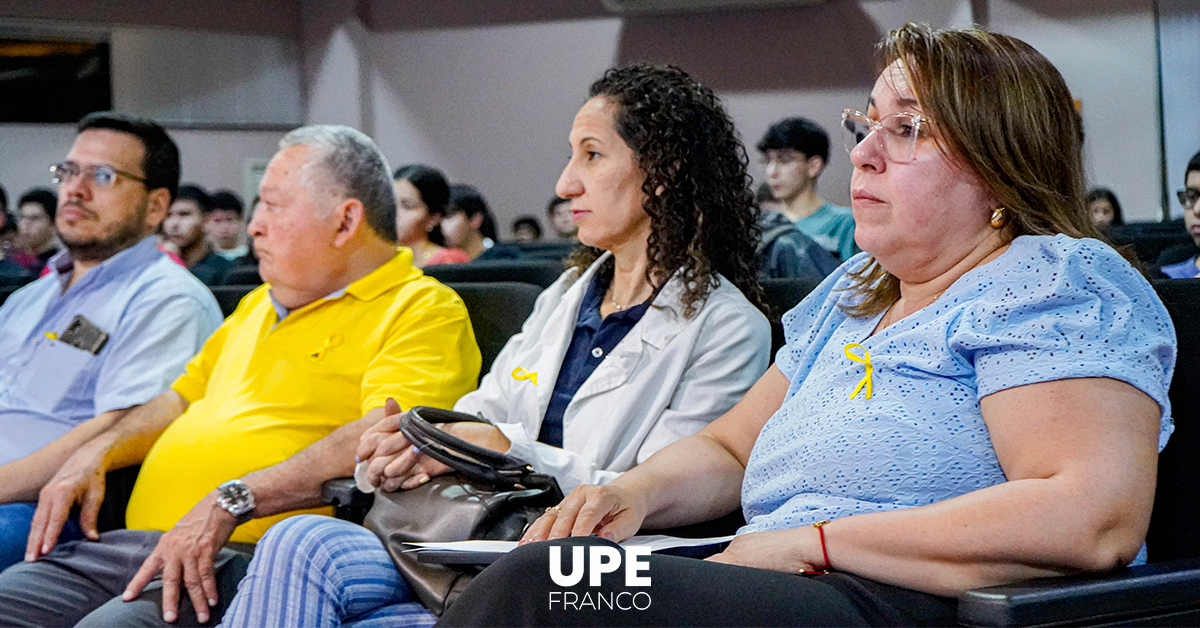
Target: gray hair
x,y
351,166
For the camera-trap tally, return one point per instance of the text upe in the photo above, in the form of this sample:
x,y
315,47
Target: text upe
x,y
600,559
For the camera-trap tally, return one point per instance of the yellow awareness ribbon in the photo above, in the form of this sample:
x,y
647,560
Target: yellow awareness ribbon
x,y
520,374
866,361
330,343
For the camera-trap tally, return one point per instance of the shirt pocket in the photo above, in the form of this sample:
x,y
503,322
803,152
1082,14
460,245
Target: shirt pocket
x,y
58,374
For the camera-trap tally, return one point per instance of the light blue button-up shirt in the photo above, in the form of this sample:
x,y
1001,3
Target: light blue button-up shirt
x,y
156,314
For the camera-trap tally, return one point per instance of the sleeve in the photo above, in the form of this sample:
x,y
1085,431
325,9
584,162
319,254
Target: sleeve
x,y
150,348
1086,313
429,355
194,382
732,351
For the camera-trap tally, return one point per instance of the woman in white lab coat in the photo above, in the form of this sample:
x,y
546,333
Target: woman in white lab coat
x,y
647,338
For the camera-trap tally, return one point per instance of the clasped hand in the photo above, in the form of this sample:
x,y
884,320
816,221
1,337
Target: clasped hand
x,y
392,461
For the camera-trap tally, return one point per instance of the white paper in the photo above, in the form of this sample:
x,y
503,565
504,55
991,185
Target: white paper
x,y
657,542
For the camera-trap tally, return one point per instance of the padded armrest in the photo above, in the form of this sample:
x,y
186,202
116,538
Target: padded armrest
x,y
1163,590
348,502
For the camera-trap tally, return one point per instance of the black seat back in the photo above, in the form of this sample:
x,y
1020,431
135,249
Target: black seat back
x,y
783,295
1175,525
228,297
540,273
497,312
244,275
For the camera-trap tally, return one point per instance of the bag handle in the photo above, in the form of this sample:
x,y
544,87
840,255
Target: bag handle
x,y
477,463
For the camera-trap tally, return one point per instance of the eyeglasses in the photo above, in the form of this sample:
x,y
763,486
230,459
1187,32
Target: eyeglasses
x,y
897,134
1188,197
100,176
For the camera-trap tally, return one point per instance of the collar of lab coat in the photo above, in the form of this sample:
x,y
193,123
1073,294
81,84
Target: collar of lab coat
x,y
661,322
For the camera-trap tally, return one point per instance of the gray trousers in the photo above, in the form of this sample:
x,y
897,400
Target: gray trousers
x,y
80,583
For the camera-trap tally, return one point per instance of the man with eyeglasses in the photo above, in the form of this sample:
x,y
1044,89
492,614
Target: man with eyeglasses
x,y
795,152
107,329
1189,197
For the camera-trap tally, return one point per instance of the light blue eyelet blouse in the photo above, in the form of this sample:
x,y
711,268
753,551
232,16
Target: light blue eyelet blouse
x,y
1050,307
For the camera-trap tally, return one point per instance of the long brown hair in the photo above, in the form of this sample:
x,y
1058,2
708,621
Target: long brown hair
x,y
1004,112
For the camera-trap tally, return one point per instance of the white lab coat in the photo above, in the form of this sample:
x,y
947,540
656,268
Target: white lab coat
x,y
666,379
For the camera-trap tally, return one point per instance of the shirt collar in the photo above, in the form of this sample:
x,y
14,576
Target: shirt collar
x,y
395,271
128,260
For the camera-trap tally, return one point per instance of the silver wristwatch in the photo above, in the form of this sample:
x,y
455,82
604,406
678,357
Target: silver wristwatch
x,y
237,499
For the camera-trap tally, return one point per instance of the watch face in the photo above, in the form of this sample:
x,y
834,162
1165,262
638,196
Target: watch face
x,y
236,498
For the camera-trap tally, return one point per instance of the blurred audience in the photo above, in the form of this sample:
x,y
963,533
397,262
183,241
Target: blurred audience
x,y
105,331
270,408
184,228
8,227
421,197
526,229
1104,209
468,224
36,242
225,225
1189,198
796,151
561,221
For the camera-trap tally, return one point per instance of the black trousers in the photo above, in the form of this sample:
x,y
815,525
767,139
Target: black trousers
x,y
518,591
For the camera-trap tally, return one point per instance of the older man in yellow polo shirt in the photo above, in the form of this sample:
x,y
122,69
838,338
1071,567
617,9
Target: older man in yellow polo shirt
x,y
270,408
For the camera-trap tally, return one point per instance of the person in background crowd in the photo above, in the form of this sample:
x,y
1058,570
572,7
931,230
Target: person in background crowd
x,y
1189,198
468,224
8,227
421,197
224,226
796,151
184,228
784,252
978,399
1105,209
105,331
271,408
526,229
35,226
646,338
558,210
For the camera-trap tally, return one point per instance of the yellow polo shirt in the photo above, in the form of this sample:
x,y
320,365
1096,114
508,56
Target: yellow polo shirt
x,y
263,389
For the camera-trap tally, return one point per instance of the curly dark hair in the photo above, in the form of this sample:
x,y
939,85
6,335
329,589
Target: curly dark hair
x,y
704,220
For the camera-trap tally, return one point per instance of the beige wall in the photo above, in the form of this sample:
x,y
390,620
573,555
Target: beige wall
x,y
488,93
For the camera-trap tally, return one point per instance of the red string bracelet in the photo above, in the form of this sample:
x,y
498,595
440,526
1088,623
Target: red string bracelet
x,y
820,526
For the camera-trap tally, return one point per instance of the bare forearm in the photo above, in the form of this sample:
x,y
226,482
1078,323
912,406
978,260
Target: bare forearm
x,y
695,479
296,482
128,440
1012,531
20,480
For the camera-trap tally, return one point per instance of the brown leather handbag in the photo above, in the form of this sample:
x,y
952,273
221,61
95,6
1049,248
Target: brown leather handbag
x,y
490,496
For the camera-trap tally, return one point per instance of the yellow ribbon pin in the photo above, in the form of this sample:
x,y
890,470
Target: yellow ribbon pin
x,y
330,343
520,374
866,361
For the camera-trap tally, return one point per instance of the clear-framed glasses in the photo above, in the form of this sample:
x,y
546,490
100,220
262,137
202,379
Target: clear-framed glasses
x,y
1188,198
897,134
100,176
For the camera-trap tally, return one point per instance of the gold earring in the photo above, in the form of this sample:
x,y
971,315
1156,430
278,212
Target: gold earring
x,y
998,218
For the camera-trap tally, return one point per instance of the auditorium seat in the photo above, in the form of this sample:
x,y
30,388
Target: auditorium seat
x,y
228,297
540,273
1166,591
783,295
1150,239
497,312
245,275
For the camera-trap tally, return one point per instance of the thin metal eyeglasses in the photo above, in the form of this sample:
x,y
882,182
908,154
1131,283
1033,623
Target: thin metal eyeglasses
x,y
896,134
1188,198
100,176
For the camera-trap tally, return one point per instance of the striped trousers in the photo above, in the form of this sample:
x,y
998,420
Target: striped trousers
x,y
322,572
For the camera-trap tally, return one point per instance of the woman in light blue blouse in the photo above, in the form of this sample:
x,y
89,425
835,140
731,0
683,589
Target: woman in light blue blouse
x,y
978,398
